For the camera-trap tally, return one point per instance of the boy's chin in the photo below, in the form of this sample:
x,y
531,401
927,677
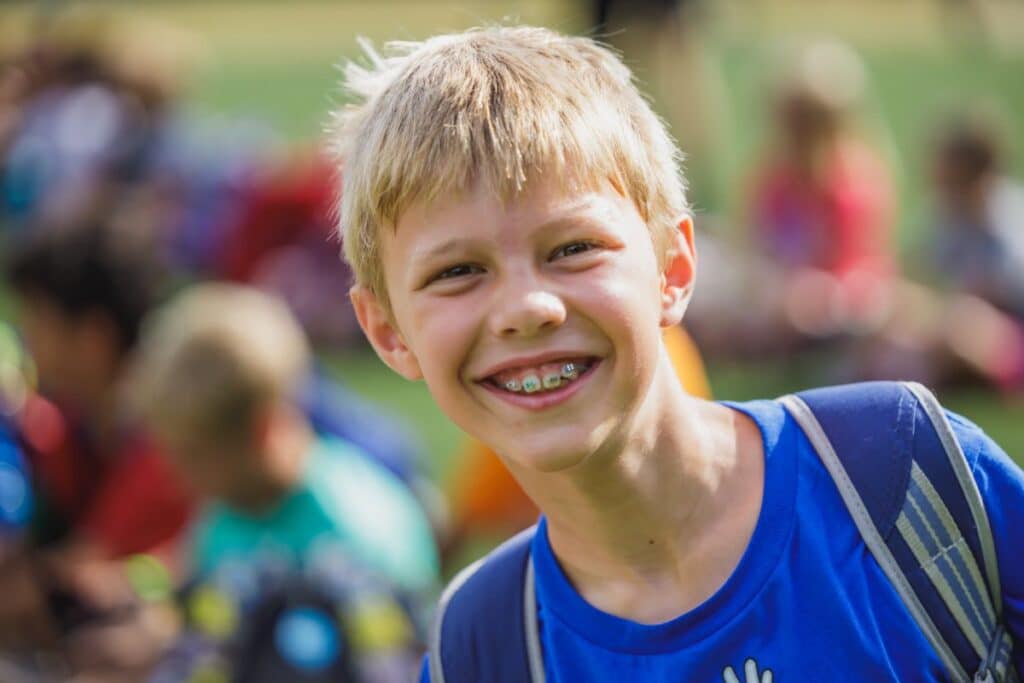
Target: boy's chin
x,y
551,449
547,458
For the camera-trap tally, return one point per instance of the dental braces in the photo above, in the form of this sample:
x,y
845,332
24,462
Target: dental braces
x,y
532,383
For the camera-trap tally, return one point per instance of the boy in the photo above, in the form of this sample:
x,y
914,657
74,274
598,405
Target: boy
x,y
101,490
516,222
82,291
979,243
215,377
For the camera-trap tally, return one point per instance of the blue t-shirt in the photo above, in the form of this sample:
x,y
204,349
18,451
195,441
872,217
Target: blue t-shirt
x,y
807,601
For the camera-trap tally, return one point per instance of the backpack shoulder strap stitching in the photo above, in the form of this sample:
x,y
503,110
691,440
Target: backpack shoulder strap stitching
x,y
927,527
997,645
874,541
958,461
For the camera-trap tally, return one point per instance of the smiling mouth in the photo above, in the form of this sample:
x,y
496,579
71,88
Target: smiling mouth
x,y
543,378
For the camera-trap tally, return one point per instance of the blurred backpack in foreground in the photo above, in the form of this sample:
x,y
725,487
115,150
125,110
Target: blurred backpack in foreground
x,y
260,623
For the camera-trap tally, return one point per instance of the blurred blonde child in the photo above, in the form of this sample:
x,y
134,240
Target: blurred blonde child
x,y
215,378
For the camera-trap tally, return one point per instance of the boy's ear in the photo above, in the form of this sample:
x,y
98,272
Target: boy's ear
x,y
680,270
384,336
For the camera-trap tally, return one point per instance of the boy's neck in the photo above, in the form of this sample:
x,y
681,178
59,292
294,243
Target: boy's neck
x,y
654,528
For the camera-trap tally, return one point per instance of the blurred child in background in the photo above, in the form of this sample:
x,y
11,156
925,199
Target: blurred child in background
x,y
82,292
979,248
84,118
979,215
819,264
311,557
822,208
102,491
217,378
969,329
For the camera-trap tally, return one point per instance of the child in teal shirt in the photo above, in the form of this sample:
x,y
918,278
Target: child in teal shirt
x,y
215,375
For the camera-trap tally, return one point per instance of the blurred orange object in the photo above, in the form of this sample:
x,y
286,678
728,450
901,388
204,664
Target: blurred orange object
x,y
486,499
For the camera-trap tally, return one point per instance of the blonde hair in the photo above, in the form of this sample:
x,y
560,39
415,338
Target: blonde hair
x,y
212,356
499,105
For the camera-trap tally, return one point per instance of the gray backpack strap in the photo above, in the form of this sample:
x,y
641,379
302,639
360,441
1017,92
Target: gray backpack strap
x,y
486,626
434,661
958,462
996,666
904,478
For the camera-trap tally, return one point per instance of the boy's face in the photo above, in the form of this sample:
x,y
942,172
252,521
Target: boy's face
x,y
74,356
224,470
536,324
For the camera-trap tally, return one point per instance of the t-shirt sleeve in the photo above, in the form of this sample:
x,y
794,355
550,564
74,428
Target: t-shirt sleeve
x,y
1001,483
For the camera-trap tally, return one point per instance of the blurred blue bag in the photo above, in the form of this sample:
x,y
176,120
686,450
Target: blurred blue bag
x,y
338,412
261,623
15,487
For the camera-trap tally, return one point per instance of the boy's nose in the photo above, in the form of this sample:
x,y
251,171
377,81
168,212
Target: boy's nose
x,y
527,314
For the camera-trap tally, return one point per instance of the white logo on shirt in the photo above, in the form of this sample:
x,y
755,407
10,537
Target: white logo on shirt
x,y
750,674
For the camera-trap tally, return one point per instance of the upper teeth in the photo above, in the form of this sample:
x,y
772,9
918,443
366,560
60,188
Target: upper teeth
x,y
552,380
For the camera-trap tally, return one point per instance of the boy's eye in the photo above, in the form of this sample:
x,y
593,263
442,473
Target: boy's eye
x,y
572,249
460,270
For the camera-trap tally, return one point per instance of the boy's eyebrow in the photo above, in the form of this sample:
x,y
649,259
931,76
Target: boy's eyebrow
x,y
569,220
440,249
583,213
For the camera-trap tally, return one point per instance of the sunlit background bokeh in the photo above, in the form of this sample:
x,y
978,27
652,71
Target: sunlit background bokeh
x,y
257,80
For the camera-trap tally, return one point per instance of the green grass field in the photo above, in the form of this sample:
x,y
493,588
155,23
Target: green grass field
x,y
276,62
